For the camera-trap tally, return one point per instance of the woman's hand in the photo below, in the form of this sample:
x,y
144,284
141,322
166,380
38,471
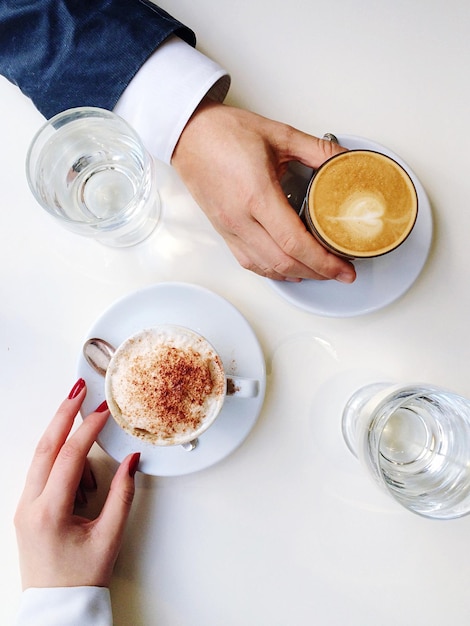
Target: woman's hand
x,y
58,548
232,162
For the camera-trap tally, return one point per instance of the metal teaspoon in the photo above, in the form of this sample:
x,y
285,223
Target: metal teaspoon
x,y
98,354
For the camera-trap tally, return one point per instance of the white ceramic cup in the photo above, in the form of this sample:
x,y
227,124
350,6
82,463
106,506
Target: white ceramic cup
x,y
167,385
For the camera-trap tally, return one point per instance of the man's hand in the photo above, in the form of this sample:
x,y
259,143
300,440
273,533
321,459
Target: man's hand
x,y
232,162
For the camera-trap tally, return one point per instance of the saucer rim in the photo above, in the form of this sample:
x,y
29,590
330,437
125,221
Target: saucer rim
x,y
198,306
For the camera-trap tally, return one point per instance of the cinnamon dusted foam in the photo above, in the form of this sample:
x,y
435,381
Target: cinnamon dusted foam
x,y
165,385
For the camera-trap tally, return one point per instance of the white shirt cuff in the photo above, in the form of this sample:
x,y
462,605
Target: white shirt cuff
x,y
65,606
165,92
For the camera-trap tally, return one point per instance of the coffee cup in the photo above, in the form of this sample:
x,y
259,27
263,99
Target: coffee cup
x,y
360,204
167,385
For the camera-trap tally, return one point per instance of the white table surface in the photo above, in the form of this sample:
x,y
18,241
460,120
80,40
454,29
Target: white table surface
x,y
286,531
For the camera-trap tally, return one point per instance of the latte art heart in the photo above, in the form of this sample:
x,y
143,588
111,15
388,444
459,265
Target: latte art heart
x,y
362,214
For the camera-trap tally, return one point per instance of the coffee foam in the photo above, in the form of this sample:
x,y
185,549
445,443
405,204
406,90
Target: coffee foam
x,y
362,203
165,385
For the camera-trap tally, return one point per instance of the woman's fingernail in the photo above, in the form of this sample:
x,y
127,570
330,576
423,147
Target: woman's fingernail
x,y
102,407
134,464
76,389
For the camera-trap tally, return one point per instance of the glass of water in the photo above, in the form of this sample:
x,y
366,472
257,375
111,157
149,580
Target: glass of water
x,y
89,169
415,441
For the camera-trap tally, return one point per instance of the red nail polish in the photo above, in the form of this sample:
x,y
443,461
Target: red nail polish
x,y
134,464
102,407
76,389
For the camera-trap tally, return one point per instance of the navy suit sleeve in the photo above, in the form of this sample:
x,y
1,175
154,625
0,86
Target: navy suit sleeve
x,y
67,53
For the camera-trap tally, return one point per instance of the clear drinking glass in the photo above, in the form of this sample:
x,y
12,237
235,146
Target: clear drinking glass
x,y
89,169
415,441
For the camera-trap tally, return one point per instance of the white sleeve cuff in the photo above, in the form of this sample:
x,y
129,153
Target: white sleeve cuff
x,y
165,92
65,606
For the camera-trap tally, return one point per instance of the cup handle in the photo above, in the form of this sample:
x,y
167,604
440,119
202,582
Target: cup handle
x,y
242,387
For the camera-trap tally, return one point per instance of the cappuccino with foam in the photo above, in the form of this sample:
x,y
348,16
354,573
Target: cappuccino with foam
x,y
165,385
361,204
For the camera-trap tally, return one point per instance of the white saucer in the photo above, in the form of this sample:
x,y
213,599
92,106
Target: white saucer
x,y
379,281
224,326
